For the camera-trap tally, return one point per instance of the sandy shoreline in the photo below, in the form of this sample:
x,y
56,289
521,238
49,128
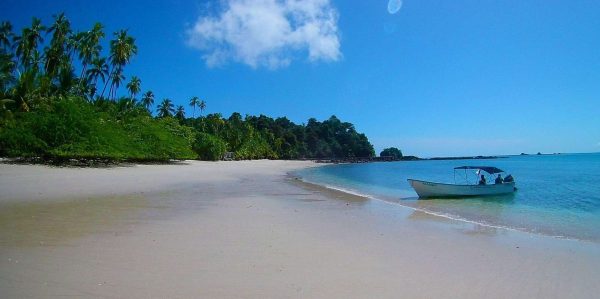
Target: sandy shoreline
x,y
246,230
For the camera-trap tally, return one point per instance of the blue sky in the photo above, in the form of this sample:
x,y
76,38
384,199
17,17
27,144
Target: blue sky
x,y
437,78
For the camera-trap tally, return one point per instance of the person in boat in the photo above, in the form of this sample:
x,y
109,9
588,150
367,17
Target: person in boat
x,y
482,180
509,179
499,180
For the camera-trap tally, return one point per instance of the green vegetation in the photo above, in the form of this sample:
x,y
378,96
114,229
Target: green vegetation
x,y
209,147
58,100
391,152
255,137
72,128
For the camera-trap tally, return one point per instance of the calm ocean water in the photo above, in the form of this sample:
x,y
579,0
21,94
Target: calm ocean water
x,y
558,195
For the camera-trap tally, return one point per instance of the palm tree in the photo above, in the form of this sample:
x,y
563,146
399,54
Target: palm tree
x,y
56,54
122,49
23,88
165,108
73,44
202,106
95,35
66,78
148,99
99,69
195,101
29,57
7,67
180,112
27,43
89,48
134,86
116,78
60,29
83,89
5,34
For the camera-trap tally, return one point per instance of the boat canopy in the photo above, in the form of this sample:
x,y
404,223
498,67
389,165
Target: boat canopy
x,y
488,169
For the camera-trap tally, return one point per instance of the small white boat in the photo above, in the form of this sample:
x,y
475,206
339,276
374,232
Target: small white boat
x,y
432,189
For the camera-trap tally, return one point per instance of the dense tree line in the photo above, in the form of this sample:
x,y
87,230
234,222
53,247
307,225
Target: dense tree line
x,y
264,137
59,99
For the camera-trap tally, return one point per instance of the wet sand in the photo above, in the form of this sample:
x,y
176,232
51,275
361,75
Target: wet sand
x,y
248,230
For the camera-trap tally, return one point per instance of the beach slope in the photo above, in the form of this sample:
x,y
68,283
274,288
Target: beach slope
x,y
248,230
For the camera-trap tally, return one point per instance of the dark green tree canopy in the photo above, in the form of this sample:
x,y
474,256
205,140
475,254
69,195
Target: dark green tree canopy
x,y
391,152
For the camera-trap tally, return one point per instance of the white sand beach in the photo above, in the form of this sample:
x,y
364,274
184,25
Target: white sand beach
x,y
248,230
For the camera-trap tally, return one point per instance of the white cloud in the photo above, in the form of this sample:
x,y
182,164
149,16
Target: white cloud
x,y
268,33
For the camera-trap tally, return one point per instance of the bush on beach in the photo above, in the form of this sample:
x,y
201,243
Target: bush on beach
x,y
72,128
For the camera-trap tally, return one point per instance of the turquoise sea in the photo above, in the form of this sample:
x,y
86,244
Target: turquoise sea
x,y
558,195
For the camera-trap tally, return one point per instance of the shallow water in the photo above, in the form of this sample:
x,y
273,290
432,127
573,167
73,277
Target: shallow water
x,y
558,195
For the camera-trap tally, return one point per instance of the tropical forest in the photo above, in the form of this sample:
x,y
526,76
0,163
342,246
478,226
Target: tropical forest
x,y
64,95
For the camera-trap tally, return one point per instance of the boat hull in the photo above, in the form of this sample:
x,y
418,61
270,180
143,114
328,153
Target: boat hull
x,y
431,189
